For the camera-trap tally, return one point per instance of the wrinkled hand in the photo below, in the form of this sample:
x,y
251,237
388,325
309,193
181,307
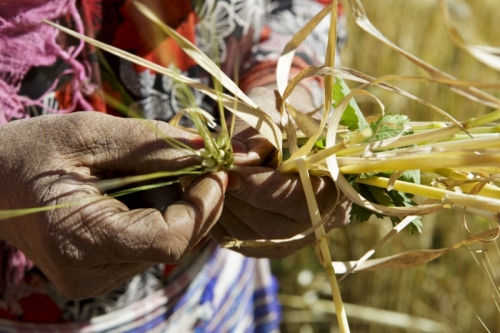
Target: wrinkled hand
x,y
95,243
262,203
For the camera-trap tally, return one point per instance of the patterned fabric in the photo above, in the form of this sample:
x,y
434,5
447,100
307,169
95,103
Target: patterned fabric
x,y
214,290
220,291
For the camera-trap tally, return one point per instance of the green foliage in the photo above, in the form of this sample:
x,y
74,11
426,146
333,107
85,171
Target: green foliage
x,y
383,197
352,117
386,127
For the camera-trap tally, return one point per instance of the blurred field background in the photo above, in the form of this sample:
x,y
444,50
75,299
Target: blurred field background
x,y
450,294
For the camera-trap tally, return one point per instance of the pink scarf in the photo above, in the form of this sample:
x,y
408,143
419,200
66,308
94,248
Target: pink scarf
x,y
26,42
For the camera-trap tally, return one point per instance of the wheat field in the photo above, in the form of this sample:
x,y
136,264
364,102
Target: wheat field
x,y
450,294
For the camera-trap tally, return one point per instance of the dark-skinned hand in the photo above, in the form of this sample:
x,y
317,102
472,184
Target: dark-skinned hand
x,y
95,242
262,203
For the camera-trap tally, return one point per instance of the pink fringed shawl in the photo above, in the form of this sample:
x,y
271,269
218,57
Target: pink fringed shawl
x,y
26,42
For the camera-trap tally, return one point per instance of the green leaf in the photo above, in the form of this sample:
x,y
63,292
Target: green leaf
x,y
352,117
412,176
416,225
387,198
321,143
387,126
359,213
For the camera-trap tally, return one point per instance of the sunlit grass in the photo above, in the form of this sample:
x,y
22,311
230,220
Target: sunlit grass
x,y
446,290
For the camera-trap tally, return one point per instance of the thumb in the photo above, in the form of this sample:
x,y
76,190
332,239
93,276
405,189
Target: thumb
x,y
171,235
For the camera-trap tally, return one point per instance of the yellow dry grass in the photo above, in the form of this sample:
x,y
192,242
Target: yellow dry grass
x,y
453,291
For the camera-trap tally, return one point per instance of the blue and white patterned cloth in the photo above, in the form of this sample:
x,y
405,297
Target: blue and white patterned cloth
x,y
219,291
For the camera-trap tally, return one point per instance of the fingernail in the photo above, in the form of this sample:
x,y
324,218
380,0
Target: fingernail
x,y
234,182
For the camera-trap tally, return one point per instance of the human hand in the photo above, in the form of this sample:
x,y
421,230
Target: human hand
x,y
94,243
262,203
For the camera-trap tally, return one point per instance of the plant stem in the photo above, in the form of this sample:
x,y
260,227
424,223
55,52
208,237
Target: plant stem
x,y
323,154
463,199
322,245
483,120
427,162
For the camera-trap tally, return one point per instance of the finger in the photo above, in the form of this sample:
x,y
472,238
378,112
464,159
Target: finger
x,y
275,251
169,237
128,145
250,147
235,227
268,101
267,224
272,191
118,235
191,219
221,235
340,216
